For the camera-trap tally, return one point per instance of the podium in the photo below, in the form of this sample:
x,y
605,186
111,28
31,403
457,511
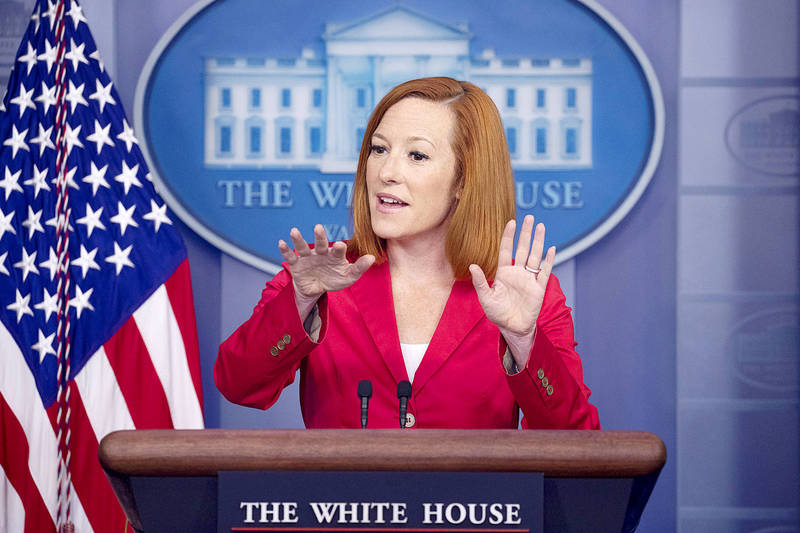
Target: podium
x,y
166,480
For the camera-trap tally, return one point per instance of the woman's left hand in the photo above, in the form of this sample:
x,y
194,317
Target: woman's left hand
x,y
515,298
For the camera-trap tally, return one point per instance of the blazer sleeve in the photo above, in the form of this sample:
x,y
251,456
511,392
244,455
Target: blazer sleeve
x,y
550,389
262,356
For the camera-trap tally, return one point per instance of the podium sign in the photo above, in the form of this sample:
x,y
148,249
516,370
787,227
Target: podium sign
x,y
379,502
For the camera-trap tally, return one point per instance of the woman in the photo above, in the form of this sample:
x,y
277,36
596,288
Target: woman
x,y
408,296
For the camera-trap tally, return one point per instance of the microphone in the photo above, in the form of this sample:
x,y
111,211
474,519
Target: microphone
x,y
403,393
365,393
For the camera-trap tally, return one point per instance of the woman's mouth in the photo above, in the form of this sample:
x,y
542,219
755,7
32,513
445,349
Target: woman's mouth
x,y
388,203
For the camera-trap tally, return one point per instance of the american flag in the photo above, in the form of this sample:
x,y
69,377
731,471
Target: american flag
x,y
97,327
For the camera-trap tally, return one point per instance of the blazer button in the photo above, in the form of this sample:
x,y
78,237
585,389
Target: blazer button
x,y
549,390
540,373
410,420
287,339
281,344
545,382
274,351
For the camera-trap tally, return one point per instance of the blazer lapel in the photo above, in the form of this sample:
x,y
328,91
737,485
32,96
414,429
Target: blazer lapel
x,y
373,296
460,315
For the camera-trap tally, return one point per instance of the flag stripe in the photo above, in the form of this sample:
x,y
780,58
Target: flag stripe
x,y
137,378
16,479
159,329
89,482
179,289
19,391
78,515
14,519
102,398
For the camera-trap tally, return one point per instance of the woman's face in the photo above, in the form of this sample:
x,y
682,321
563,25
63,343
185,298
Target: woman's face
x,y
411,171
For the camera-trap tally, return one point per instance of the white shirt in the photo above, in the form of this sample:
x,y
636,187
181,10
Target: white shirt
x,y
412,356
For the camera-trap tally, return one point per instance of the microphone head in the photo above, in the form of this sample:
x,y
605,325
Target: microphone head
x,y
365,388
404,389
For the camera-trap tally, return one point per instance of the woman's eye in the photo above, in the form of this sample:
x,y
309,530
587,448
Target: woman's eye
x,y
418,156
377,149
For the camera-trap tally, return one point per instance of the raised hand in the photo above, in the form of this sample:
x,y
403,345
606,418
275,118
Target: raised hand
x,y
514,300
321,269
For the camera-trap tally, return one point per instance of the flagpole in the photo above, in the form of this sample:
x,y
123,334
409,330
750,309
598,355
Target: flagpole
x,y
63,523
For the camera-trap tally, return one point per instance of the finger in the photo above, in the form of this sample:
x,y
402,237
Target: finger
x,y
524,242
320,240
535,258
362,264
300,243
339,249
479,282
506,244
287,252
547,266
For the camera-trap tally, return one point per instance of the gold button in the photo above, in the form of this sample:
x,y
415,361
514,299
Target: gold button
x,y
540,373
274,351
410,420
545,382
549,390
281,344
287,339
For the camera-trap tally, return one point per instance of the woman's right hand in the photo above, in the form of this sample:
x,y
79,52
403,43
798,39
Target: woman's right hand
x,y
321,269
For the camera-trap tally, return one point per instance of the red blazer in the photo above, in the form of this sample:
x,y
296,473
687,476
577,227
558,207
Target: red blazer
x,y
460,383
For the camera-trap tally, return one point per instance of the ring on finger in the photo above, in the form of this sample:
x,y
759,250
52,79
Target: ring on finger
x,y
533,270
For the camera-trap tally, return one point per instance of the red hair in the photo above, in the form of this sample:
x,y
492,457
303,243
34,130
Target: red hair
x,y
483,175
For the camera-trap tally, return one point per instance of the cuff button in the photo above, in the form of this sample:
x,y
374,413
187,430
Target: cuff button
x,y
274,351
540,373
549,390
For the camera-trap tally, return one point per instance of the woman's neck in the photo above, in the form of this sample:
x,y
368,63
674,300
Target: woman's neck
x,y
421,282
422,261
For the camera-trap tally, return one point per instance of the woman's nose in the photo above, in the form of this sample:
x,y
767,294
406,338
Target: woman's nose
x,y
390,171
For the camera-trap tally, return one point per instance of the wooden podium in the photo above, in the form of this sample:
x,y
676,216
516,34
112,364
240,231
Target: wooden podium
x,y
166,480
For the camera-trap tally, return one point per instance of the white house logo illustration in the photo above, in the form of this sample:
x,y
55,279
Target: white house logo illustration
x,y
763,349
252,113
310,111
765,135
